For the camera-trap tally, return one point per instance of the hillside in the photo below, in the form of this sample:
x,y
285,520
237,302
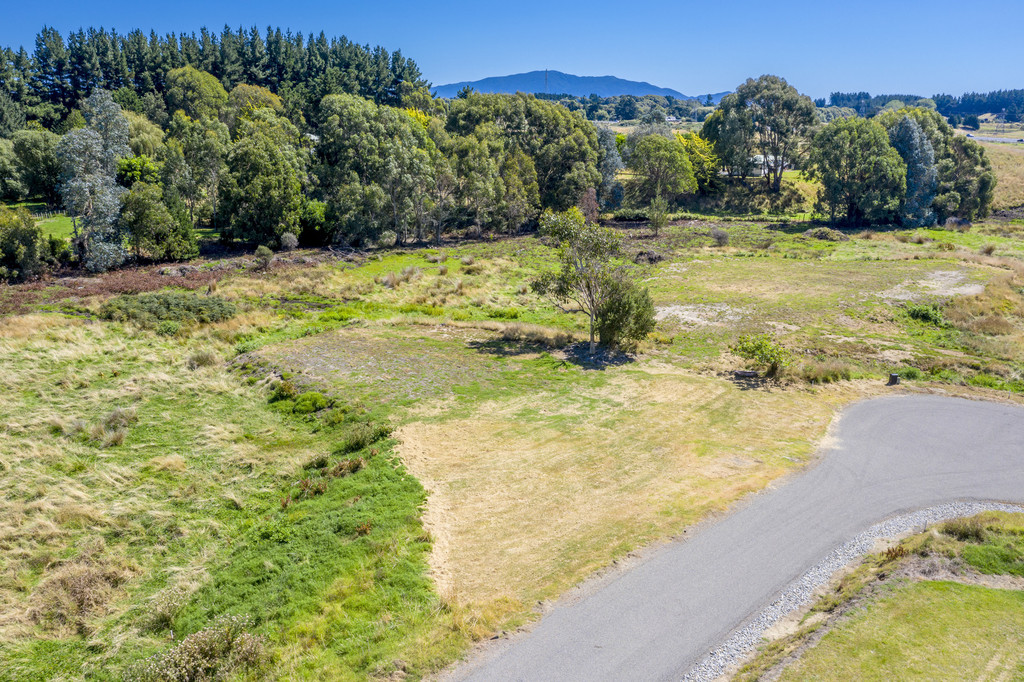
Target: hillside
x,y
567,83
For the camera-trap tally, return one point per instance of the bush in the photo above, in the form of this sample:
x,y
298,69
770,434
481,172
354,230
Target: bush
x,y
150,309
284,390
264,257
23,250
720,236
630,214
927,313
826,234
387,239
289,241
912,373
168,328
310,402
764,350
987,249
627,316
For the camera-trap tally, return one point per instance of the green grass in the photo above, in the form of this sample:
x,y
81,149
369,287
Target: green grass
x,y
924,631
192,499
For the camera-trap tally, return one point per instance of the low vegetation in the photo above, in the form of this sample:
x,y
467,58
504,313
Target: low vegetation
x,y
892,617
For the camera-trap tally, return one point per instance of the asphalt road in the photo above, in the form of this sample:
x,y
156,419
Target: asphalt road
x,y
659,618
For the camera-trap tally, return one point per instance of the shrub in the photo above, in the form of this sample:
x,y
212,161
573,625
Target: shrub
x,y
23,249
926,312
442,270
284,390
764,350
467,260
218,652
150,309
168,328
630,214
264,256
289,242
438,257
720,236
826,234
946,246
970,529
627,315
912,373
387,239
987,249
310,402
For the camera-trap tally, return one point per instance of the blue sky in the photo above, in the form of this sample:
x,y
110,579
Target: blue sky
x,y
893,46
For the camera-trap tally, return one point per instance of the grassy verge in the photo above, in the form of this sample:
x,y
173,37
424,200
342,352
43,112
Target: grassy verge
x,y
888,620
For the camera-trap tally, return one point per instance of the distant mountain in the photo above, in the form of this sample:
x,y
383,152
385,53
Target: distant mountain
x,y
556,82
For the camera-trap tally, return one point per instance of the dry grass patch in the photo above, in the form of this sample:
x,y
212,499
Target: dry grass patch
x,y
1008,164
531,494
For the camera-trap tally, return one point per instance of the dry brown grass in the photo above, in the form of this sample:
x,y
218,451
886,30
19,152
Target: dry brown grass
x,y
522,513
1008,164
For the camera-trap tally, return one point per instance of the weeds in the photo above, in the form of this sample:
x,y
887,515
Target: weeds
x,y
970,529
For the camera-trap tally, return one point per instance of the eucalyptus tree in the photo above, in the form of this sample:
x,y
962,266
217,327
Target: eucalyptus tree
x,y
92,197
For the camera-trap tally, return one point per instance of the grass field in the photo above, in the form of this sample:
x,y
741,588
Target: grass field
x,y
181,472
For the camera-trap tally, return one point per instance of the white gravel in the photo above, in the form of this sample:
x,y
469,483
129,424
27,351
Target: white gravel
x,y
801,591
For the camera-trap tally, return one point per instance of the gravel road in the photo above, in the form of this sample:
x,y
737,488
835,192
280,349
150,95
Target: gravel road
x,y
691,607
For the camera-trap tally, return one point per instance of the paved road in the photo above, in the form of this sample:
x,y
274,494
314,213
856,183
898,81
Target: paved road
x,y
658,619
1004,140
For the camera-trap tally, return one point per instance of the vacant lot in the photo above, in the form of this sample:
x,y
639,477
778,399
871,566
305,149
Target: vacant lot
x,y
183,470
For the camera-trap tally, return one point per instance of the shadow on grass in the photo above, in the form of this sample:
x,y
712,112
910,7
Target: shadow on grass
x,y
577,354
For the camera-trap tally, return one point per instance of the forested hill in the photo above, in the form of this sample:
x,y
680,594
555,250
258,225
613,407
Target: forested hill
x,y
48,82
564,83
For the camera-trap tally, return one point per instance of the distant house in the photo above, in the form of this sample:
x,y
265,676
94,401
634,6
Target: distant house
x,y
671,119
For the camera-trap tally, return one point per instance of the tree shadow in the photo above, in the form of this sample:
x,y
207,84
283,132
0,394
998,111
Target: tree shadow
x,y
577,354
745,382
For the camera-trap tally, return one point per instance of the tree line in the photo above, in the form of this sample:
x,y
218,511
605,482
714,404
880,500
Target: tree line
x,y
355,170
46,84
1008,102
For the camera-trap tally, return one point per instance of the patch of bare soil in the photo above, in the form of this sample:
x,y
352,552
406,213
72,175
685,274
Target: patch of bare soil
x,y
942,283
700,315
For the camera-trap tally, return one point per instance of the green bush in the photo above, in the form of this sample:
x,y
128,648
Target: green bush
x,y
264,256
23,250
764,350
168,328
912,373
926,312
310,402
284,390
627,316
149,310
971,529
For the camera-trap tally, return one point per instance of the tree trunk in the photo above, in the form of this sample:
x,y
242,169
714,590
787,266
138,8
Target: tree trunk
x,y
593,344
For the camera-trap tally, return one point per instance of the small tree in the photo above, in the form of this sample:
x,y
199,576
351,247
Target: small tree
x,y
590,278
658,213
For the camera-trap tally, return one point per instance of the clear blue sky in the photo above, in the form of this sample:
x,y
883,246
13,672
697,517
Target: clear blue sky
x,y
890,46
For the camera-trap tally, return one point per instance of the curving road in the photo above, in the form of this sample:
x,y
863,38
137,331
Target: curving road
x,y
658,619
